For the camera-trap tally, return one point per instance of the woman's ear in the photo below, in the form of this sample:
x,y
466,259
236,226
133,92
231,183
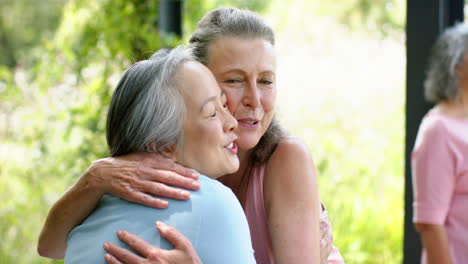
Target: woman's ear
x,y
151,147
170,152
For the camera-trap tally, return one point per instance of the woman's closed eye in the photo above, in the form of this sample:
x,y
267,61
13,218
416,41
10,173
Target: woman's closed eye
x,y
233,81
210,109
224,105
266,81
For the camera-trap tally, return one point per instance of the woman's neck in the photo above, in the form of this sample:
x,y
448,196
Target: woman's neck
x,y
457,108
238,181
464,101
233,178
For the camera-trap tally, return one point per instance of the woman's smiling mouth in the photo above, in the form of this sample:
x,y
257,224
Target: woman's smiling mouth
x,y
232,147
248,122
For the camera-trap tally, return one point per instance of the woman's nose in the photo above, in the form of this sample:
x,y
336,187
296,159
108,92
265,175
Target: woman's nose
x,y
230,123
251,97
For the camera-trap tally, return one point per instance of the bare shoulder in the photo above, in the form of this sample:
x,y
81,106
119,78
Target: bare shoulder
x,y
290,173
291,151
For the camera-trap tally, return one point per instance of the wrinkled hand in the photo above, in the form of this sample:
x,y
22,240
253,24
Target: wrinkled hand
x,y
134,177
183,251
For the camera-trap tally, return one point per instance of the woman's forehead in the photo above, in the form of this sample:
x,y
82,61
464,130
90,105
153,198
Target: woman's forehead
x,y
224,44
196,82
241,53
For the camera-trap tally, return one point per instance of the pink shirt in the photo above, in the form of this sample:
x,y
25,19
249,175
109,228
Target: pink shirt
x,y
440,179
258,224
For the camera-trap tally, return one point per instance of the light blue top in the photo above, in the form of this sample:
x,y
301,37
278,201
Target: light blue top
x,y
213,220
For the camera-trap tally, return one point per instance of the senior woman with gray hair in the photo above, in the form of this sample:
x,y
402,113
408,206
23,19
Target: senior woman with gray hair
x,y
440,154
172,105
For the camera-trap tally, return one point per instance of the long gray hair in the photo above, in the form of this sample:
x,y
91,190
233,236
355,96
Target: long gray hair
x,y
442,82
233,22
147,110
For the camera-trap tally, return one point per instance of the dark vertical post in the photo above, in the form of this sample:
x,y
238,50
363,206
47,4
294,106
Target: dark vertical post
x,y
425,21
170,17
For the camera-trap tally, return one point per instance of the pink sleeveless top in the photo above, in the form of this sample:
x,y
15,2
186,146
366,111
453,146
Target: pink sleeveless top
x,y
258,224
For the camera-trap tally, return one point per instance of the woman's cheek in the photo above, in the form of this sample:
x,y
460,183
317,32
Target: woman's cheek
x,y
269,100
233,98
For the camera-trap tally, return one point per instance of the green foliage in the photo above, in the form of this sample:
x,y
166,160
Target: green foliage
x,y
64,103
8,89
22,24
365,166
380,16
359,157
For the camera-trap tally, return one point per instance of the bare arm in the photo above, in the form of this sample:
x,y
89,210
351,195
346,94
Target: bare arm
x,y
132,177
292,204
434,238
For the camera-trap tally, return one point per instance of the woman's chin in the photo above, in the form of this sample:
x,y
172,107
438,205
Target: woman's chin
x,y
247,143
228,168
234,166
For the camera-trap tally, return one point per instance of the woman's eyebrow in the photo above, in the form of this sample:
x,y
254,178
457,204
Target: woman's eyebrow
x,y
207,100
268,72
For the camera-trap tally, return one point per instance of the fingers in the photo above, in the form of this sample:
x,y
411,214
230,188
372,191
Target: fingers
x,y
157,161
167,177
190,173
136,184
164,190
178,240
139,197
111,259
144,248
147,159
117,255
141,191
165,171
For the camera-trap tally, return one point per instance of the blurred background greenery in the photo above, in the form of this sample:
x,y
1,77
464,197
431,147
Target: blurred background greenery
x,y
341,89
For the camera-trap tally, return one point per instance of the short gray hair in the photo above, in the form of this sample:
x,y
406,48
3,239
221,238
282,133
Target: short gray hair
x,y
442,82
228,22
147,108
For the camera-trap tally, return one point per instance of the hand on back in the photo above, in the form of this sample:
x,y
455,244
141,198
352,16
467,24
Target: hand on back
x,y
183,251
137,177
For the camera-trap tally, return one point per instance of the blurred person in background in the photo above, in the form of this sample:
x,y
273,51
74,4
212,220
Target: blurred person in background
x,y
276,182
440,154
